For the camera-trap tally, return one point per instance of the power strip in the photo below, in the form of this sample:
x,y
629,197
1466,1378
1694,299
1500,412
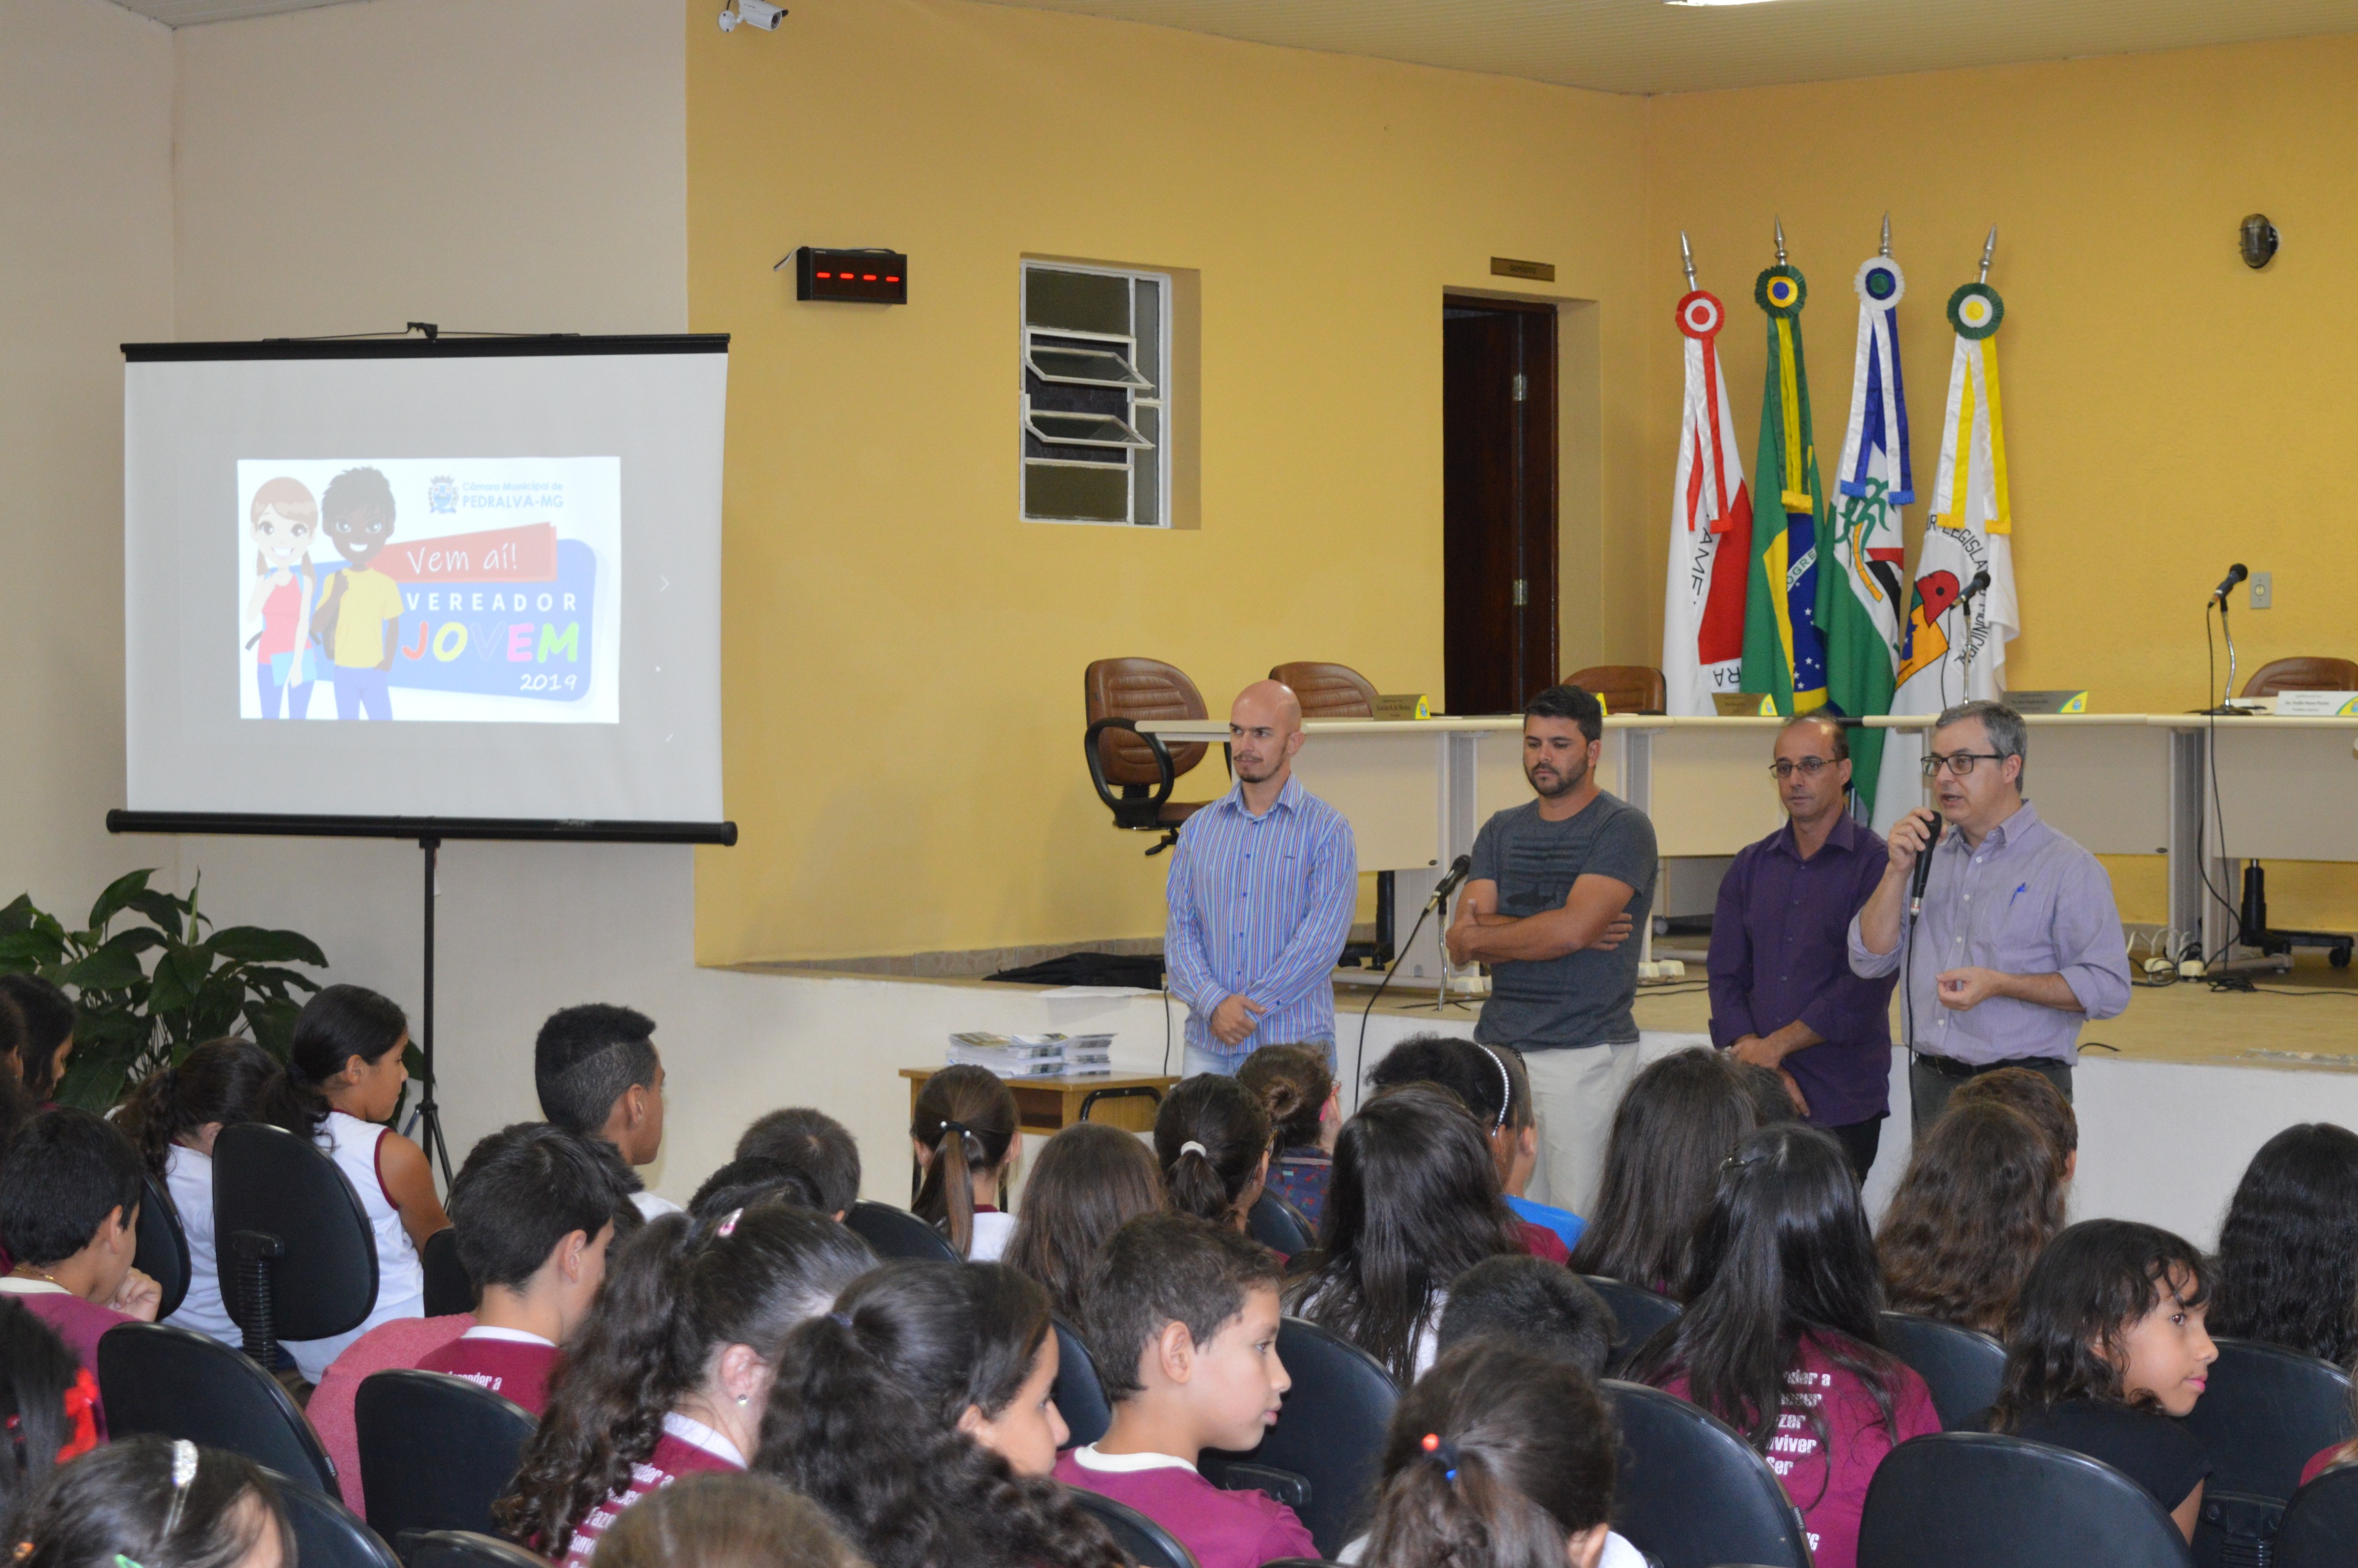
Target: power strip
x,y
1661,969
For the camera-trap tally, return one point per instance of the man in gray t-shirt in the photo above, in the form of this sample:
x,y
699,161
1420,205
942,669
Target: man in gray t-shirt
x,y
1556,886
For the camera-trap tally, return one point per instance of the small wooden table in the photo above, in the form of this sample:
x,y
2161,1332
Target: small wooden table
x,y
1127,1100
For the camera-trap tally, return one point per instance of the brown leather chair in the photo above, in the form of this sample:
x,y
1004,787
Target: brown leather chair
x,y
1625,688
1329,691
1120,692
2308,674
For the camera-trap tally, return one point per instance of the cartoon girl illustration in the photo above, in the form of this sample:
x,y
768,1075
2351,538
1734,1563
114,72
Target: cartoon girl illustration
x,y
283,519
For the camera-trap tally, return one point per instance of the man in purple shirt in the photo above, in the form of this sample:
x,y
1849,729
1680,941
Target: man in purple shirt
x,y
2018,939
1782,994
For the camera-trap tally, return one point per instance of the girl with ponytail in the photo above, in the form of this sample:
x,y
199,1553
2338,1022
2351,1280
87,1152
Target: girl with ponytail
x,y
919,1414
966,1138
1212,1135
1499,1457
172,1119
672,1372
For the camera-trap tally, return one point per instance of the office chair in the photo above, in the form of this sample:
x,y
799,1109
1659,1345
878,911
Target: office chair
x,y
2266,1412
298,1259
447,1288
1119,693
1980,1500
896,1233
1329,1434
1278,1225
1624,688
1638,1315
163,1251
1080,1396
328,1534
1963,1367
1142,1540
466,1549
177,1382
1692,1493
435,1451
2320,1523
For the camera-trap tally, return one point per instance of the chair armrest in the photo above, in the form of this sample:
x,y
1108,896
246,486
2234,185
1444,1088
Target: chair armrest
x,y
1170,776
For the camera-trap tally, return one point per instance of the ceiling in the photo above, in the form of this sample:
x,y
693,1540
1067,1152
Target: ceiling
x,y
1646,46
188,12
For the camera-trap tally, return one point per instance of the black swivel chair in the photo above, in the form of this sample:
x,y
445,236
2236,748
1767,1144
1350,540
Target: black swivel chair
x,y
1325,1454
179,1383
1692,1493
449,1289
1963,1367
466,1549
1142,1540
435,1451
327,1534
2266,1412
896,1233
1637,1314
298,1259
1080,1397
2320,1524
1980,1500
163,1252
1278,1225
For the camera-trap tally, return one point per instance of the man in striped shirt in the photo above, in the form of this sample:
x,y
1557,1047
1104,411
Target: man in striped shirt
x,y
1264,884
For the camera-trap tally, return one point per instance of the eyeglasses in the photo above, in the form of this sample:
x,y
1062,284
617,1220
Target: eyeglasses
x,y
1960,764
1808,767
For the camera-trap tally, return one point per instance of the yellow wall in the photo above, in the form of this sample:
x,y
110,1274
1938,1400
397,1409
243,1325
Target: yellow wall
x,y
2168,410
904,702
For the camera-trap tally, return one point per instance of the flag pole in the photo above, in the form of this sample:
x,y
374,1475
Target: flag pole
x,y
1989,249
1885,251
1686,260
1780,242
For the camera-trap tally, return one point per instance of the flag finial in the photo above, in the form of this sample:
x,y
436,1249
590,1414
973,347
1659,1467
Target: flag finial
x,y
1780,242
1686,260
1989,249
1886,235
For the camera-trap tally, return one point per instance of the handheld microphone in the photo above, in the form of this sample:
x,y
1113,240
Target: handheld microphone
x,y
1924,871
2235,574
1459,870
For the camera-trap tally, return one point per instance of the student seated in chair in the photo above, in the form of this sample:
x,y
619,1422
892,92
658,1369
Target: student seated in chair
x,y
814,1143
1182,1317
600,1077
69,1218
535,1207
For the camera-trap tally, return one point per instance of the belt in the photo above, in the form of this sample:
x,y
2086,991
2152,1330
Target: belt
x,y
1949,1067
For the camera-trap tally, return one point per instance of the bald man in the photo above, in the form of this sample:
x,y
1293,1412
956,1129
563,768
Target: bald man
x,y
1262,888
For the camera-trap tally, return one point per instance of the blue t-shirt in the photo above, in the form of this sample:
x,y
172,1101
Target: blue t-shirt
x,y
1564,1222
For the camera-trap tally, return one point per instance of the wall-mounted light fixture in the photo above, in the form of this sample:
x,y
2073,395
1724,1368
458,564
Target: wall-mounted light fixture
x,y
2258,240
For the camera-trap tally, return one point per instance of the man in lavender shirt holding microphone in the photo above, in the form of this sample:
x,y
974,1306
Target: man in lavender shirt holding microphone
x,y
2017,940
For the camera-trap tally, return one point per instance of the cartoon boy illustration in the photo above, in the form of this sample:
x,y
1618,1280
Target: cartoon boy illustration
x,y
282,520
359,621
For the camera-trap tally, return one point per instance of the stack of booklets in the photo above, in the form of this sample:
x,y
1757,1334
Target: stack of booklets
x,y
1034,1055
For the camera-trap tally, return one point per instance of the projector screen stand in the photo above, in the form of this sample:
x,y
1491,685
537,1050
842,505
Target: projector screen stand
x,y
429,1115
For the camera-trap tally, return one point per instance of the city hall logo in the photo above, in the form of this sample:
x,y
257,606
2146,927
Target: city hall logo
x,y
442,494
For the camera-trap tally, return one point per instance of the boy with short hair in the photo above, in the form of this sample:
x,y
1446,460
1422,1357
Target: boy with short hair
x,y
600,1077
534,1208
1541,1305
814,1143
1182,1317
69,1218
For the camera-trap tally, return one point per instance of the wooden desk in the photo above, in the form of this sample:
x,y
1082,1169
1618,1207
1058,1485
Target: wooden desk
x,y
1051,1105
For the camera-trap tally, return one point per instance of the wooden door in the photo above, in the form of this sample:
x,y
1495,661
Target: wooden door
x,y
1498,527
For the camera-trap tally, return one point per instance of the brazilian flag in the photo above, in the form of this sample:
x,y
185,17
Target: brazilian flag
x,y
1784,657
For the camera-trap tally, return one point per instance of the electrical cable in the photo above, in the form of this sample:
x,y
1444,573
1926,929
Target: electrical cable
x,y
1360,1052
2218,812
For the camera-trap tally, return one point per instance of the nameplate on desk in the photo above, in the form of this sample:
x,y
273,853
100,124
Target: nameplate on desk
x,y
1744,704
2317,704
1394,706
2046,701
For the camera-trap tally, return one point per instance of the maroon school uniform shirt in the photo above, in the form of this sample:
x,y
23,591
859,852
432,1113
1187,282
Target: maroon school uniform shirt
x,y
2321,1461
78,1323
510,1363
685,1448
1541,1242
1832,1496
1221,1529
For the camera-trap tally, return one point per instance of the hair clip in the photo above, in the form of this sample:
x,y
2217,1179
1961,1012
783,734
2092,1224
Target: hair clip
x,y
729,1226
1441,1451
24,1549
184,1471
1192,1147
960,1128
838,1317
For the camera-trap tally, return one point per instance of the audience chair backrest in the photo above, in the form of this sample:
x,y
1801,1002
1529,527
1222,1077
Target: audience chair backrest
x,y
466,1549
179,1383
163,1253
1143,1540
896,1233
1080,1393
1638,1315
267,1180
1980,1499
1963,1367
1141,688
448,1289
1330,1431
327,1534
2267,1410
1278,1225
1329,691
435,1451
2322,1522
1692,1493
1625,688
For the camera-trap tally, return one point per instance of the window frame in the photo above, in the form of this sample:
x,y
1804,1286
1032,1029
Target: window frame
x,y
1163,398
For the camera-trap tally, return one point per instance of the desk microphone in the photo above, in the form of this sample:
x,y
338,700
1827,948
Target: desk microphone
x,y
1923,873
1459,870
2235,574
1981,581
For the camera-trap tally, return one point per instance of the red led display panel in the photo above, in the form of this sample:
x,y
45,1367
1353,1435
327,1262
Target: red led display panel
x,y
868,277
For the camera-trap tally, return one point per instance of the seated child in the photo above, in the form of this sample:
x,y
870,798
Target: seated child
x,y
964,1136
1546,1308
1088,1180
725,1521
1305,1110
1212,1136
48,1039
155,1502
1415,1205
2035,1095
345,1061
534,1210
69,1216
1681,1119
1492,1084
814,1143
172,1119
671,1373
2287,1264
2108,1348
599,1077
920,1415
52,1400
1499,1457
1982,1197
749,1180
1792,1356
1182,1317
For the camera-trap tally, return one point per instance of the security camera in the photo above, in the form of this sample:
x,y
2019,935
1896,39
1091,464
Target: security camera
x,y
753,12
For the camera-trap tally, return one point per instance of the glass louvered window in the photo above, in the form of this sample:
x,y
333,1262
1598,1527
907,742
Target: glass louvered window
x,y
1095,396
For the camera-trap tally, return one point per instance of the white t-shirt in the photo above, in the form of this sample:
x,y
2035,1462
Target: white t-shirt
x,y
400,1277
188,1177
993,1231
651,1206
